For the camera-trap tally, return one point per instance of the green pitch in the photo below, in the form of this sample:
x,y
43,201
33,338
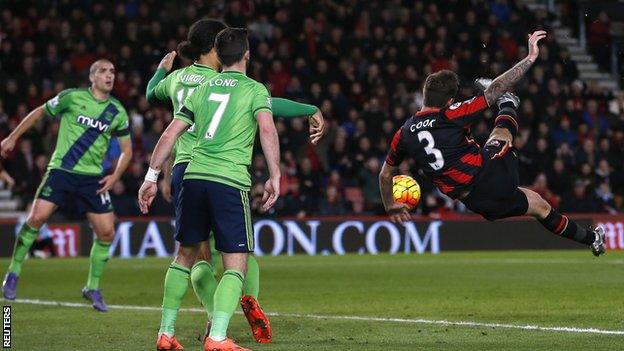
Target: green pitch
x,y
545,289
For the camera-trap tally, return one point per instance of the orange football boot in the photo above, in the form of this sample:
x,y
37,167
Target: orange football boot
x,y
223,345
207,332
166,343
259,323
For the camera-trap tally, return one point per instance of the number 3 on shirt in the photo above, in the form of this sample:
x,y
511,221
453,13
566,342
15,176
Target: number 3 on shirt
x,y
222,99
431,150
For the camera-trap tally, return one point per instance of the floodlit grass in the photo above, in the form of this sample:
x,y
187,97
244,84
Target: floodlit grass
x,y
547,289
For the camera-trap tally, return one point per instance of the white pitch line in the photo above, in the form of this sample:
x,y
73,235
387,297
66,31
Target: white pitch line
x,y
348,318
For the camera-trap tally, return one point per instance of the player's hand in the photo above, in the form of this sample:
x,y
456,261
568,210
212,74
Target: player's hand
x,y
167,61
165,189
317,127
498,136
107,183
147,193
6,146
271,193
506,141
533,41
398,213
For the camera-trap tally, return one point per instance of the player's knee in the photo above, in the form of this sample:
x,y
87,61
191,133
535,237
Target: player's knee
x,y
106,235
204,252
538,207
36,219
186,256
237,261
204,256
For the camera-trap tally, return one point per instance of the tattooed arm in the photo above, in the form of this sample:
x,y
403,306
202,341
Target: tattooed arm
x,y
506,80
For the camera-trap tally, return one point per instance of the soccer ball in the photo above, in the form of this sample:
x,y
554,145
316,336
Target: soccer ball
x,y
405,190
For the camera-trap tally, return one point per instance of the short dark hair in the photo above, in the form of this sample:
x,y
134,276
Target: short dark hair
x,y
96,65
231,45
439,88
200,38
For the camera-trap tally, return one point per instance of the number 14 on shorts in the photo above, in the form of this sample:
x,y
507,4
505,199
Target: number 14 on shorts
x,y
106,199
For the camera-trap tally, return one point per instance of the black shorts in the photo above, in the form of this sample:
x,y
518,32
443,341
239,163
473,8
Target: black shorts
x,y
495,194
177,177
206,206
64,188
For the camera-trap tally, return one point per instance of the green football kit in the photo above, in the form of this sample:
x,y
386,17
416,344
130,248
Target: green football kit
x,y
75,168
176,87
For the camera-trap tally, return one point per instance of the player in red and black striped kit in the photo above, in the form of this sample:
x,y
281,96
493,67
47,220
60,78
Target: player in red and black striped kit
x,y
438,139
485,178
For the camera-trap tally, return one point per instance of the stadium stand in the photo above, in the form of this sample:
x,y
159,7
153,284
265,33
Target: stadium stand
x,y
363,63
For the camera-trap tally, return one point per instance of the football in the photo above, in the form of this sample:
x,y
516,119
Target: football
x,y
406,190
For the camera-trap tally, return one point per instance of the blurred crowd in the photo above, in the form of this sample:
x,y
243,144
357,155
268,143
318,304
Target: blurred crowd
x,y
362,62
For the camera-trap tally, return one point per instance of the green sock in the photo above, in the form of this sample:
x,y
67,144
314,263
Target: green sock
x,y
23,242
99,257
176,284
252,278
204,284
226,300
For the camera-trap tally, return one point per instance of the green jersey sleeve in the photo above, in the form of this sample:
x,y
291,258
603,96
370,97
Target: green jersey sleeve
x,y
156,78
187,112
288,109
123,127
58,104
161,91
261,100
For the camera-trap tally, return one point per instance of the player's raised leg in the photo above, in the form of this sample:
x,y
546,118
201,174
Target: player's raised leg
x,y
561,225
40,212
103,226
505,131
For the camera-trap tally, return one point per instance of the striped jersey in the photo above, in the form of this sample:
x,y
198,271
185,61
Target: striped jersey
x,y
438,140
87,125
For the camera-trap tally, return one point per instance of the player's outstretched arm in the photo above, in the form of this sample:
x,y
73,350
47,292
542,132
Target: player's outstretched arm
x,y
7,145
507,80
270,148
289,109
163,148
122,164
398,212
164,67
